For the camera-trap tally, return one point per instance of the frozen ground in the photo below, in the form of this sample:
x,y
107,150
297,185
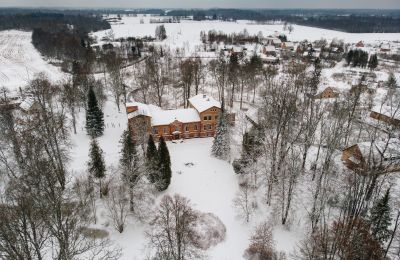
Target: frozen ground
x,y
187,33
20,61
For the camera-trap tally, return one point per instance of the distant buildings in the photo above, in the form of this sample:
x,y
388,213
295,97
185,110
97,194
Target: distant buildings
x,y
329,92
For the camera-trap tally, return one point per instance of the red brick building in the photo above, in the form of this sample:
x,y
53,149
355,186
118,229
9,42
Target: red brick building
x,y
199,120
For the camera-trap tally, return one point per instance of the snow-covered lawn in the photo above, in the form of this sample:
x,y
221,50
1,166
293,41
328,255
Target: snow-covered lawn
x,y
210,184
20,61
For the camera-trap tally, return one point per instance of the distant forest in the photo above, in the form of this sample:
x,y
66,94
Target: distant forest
x,y
354,21
56,35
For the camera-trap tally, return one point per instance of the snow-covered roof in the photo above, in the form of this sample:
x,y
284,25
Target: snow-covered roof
x,y
289,44
277,41
385,46
164,117
388,111
27,104
143,109
270,48
202,102
376,151
237,49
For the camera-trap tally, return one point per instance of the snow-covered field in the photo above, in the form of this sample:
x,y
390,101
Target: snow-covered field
x,y
187,33
20,61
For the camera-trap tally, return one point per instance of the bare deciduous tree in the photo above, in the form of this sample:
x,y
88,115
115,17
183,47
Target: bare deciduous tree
x,y
118,206
171,231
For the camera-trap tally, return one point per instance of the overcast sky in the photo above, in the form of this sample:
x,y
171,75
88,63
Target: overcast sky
x,y
361,4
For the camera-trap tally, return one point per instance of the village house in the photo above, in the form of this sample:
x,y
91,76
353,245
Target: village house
x,y
288,46
199,120
360,44
269,50
238,50
385,47
268,41
329,92
380,157
277,43
269,59
386,114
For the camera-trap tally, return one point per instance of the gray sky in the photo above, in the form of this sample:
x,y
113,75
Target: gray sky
x,y
361,4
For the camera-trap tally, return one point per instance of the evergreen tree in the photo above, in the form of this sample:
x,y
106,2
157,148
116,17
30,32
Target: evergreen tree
x,y
152,161
94,116
373,62
315,77
349,57
221,145
96,165
364,59
130,163
392,83
380,219
164,178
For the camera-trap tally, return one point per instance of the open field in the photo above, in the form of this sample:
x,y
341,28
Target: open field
x,y
20,61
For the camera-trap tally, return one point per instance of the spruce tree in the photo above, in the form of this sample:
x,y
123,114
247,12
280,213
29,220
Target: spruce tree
x,y
349,57
96,165
221,145
380,219
94,116
373,62
130,163
152,161
164,178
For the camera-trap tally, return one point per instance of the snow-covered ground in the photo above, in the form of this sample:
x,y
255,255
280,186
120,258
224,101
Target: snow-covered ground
x,y
187,33
20,61
210,184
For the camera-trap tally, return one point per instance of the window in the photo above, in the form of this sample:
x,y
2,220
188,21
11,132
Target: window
x,y
216,117
155,130
186,128
195,127
209,117
207,127
165,130
205,118
177,128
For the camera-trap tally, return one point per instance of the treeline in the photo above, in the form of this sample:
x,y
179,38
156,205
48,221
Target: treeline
x,y
235,38
57,35
52,22
354,21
